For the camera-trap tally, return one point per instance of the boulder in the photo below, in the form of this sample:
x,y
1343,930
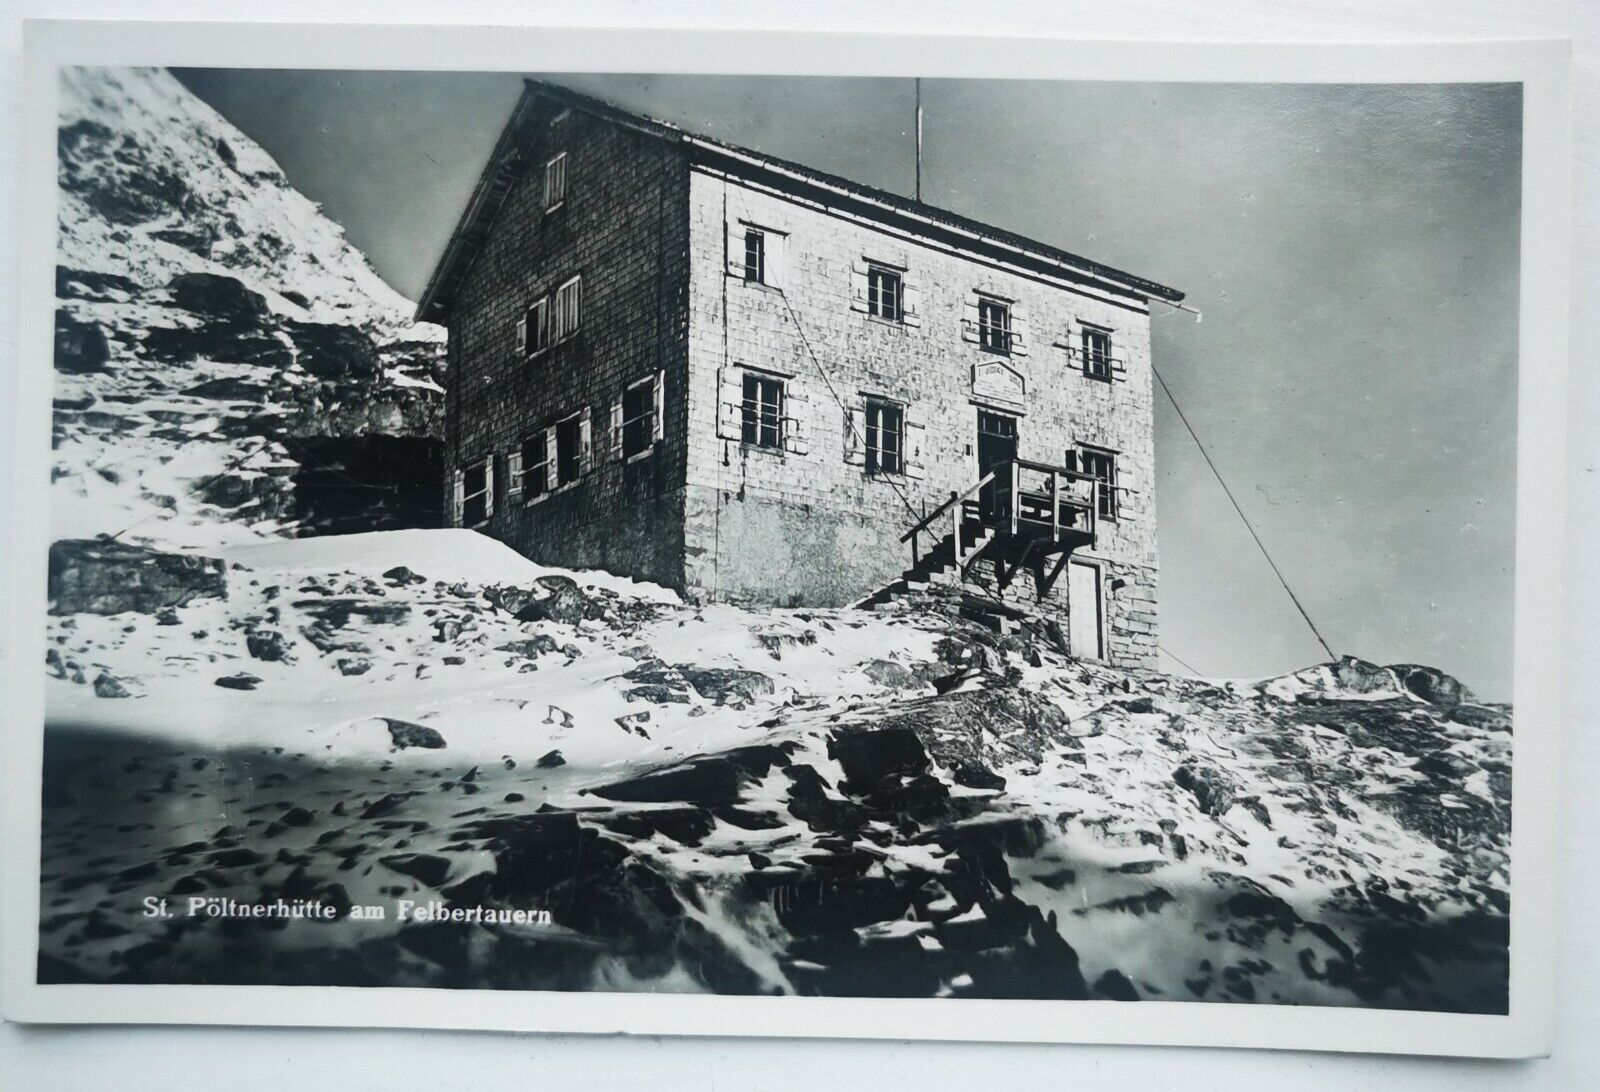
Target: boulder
x,y
430,868
726,684
1213,789
707,781
218,297
269,645
331,351
893,676
1432,685
550,760
81,347
405,734
241,681
108,685
102,576
869,755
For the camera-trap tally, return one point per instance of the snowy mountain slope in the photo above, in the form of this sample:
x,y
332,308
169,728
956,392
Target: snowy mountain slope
x,y
216,334
828,801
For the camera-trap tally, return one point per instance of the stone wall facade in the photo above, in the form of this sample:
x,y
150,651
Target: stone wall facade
x,y
622,228
808,526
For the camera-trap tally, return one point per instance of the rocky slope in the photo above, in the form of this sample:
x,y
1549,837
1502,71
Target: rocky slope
x,y
228,365
716,799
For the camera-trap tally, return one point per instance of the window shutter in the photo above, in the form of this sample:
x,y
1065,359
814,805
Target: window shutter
x,y
916,437
796,435
616,430
488,483
858,287
736,232
1021,335
457,497
969,321
730,398
585,443
658,426
551,477
912,301
777,257
855,436
513,477
522,334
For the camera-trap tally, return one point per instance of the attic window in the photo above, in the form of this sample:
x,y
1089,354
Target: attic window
x,y
555,182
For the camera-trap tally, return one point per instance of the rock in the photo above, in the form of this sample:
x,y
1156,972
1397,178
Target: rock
x,y
405,734
532,647
354,665
167,616
430,868
1432,685
109,686
387,804
726,684
102,576
1113,985
53,662
241,681
217,296
400,575
706,781
553,599
550,760
685,823
81,347
1213,789
893,676
269,645
333,351
868,755
296,817
972,775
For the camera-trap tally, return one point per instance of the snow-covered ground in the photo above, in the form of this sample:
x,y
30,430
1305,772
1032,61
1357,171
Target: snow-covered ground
x,y
1329,838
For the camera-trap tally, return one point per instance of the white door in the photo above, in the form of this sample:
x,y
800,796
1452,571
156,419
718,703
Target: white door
x,y
1083,610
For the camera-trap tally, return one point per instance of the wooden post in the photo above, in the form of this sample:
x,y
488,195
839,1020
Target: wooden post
x,y
1055,507
1016,489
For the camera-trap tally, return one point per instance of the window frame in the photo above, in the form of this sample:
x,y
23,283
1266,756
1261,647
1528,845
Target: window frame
x,y
536,442
754,419
873,449
560,332
877,272
1102,354
486,494
1108,506
759,268
644,422
536,333
559,161
560,427
988,340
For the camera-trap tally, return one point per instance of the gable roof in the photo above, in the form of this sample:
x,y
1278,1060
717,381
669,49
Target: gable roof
x,y
505,164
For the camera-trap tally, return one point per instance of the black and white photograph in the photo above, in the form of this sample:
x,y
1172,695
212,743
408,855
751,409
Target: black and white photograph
x,y
784,536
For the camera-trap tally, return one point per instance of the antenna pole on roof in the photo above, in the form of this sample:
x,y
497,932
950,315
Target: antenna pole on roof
x,y
919,138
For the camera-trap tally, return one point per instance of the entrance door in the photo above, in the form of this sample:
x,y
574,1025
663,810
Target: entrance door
x,y
1084,611
997,446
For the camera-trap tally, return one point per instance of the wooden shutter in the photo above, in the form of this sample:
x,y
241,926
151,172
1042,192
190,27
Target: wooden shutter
x,y
730,398
585,446
616,429
776,258
522,334
916,436
658,399
457,497
796,424
969,320
1021,335
858,287
911,301
855,436
488,486
514,477
552,477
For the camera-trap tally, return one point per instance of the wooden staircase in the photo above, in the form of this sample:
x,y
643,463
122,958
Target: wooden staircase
x,y
1010,526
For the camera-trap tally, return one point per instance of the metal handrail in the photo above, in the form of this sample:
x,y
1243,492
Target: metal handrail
x,y
955,498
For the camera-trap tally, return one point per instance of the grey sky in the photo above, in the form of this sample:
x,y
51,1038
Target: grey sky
x,y
1354,249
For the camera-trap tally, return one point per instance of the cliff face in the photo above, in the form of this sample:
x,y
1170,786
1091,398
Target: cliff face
x,y
228,365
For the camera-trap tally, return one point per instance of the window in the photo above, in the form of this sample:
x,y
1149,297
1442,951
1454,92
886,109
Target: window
x,y
569,450
1096,353
569,309
555,182
994,325
761,414
886,436
476,493
535,467
1101,465
885,294
533,331
639,427
755,256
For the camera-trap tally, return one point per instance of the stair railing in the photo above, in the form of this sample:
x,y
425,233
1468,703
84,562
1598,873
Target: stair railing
x,y
954,503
